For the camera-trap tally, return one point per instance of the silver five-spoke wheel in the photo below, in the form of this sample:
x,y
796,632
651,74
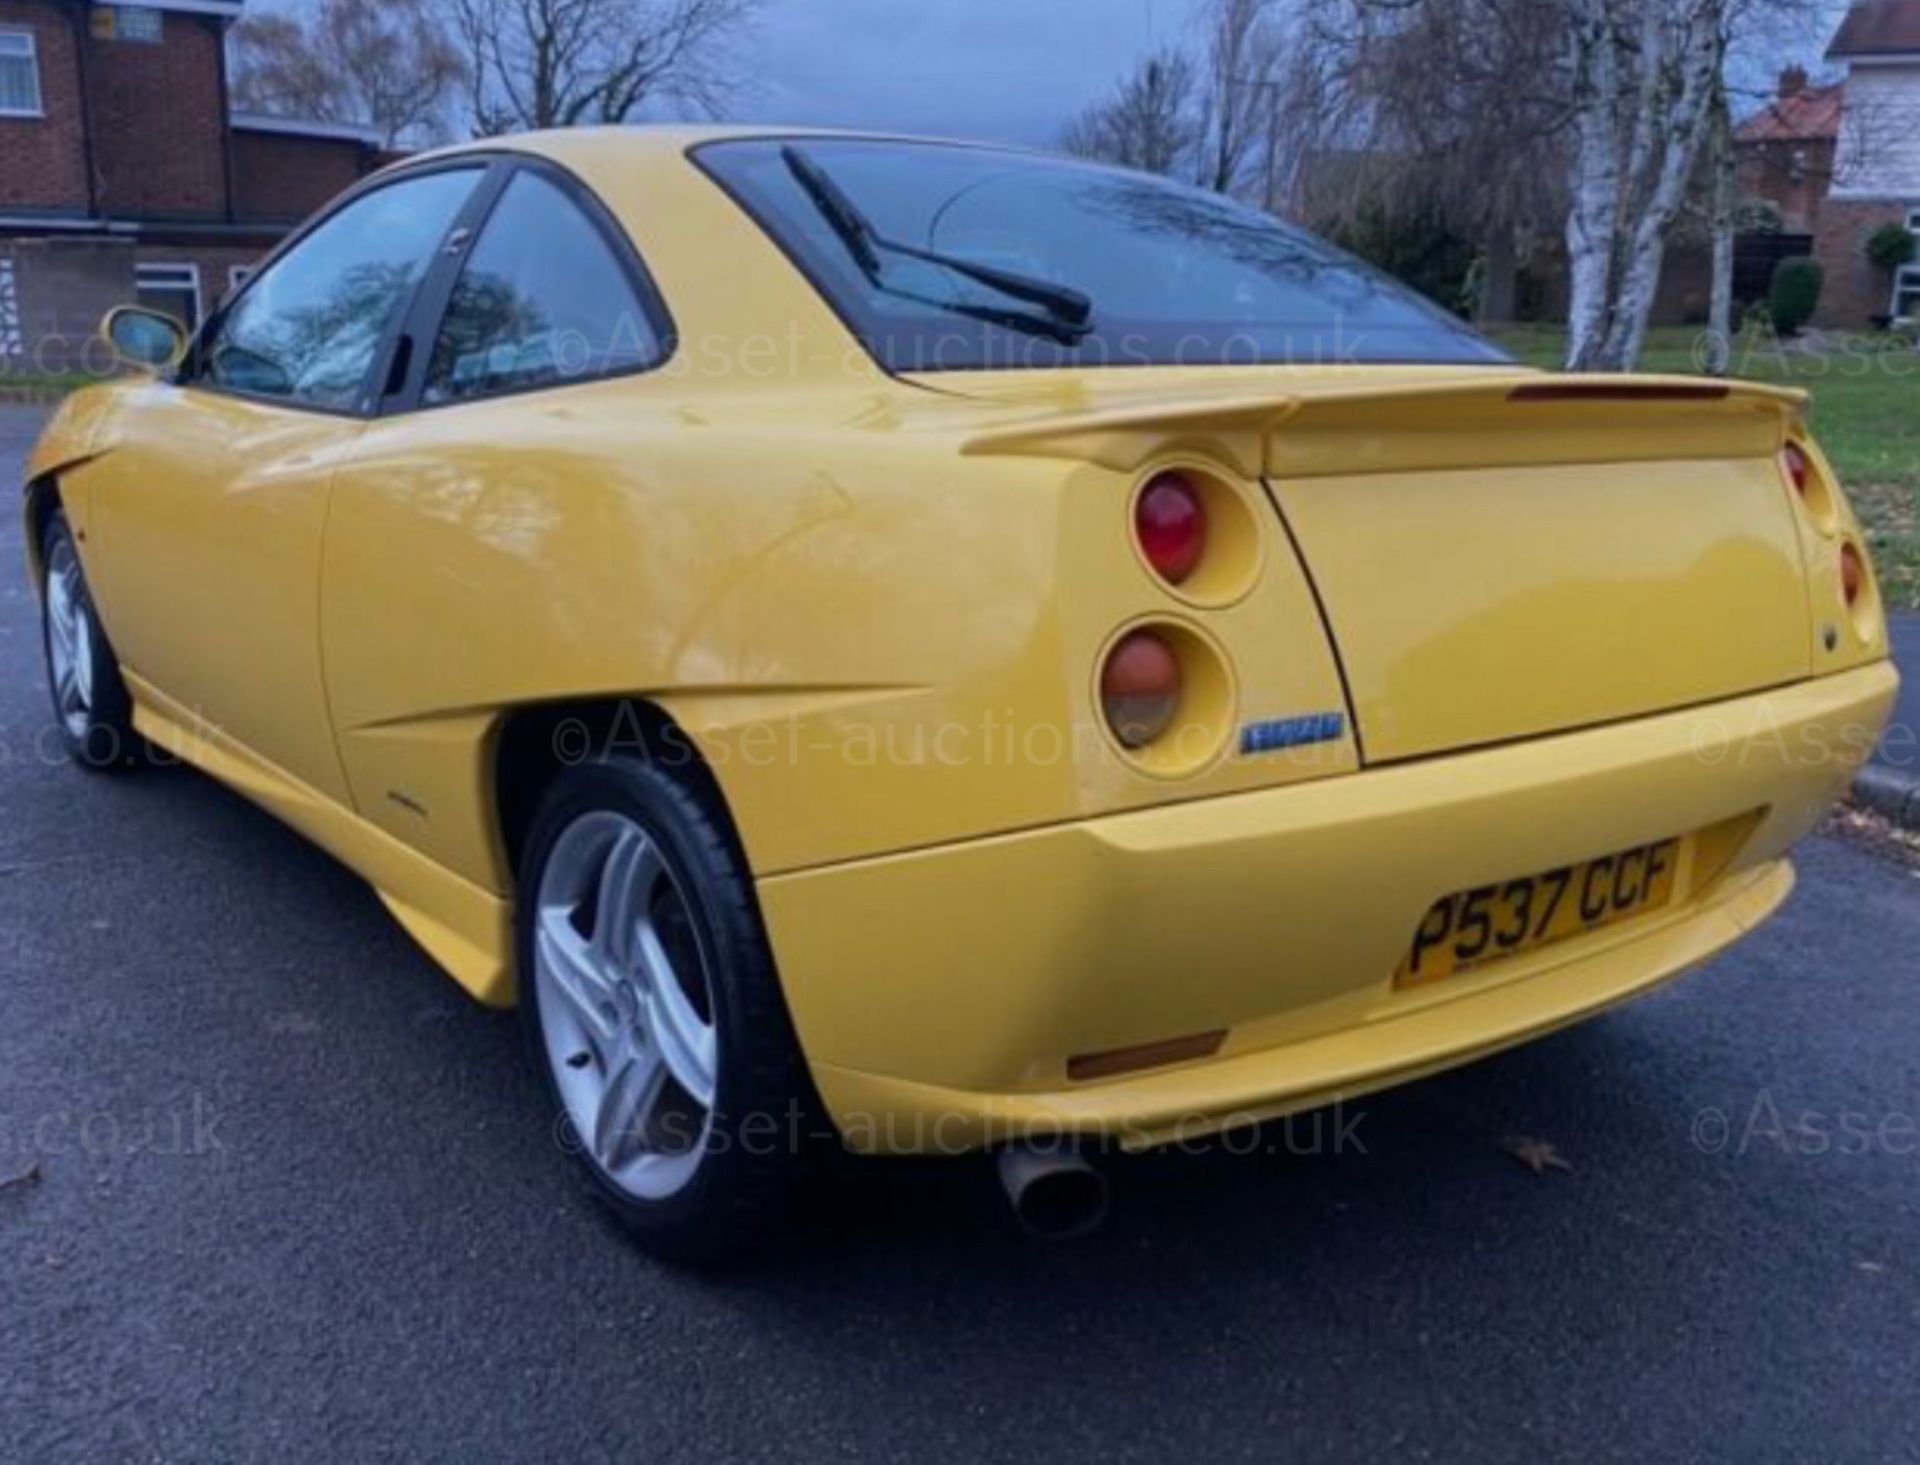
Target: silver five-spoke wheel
x,y
626,1004
69,640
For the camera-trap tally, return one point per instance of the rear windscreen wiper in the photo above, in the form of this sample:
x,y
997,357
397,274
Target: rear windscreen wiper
x,y
1069,308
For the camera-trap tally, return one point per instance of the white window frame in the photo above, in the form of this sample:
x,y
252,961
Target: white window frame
x,y
238,275
149,272
1906,279
152,15
32,57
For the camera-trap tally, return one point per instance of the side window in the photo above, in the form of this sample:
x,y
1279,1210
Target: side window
x,y
308,328
542,300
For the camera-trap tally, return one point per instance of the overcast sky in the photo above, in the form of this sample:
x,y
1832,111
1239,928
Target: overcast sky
x,y
1000,70
1005,70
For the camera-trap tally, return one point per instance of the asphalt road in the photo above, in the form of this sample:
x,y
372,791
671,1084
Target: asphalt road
x,y
294,1205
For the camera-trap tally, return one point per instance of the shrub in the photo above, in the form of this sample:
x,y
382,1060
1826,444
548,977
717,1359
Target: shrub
x,y
1892,246
1417,247
1795,294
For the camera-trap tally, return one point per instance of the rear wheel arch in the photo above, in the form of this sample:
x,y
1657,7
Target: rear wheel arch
x,y
532,745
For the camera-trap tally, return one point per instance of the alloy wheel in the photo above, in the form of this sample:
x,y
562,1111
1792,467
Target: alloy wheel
x,y
626,1004
69,640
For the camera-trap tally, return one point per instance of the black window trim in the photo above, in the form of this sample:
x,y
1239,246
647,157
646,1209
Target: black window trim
x,y
190,375
423,321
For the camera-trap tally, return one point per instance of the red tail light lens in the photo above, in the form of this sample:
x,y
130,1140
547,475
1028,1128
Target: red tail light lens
x,y
1853,574
1799,468
1140,688
1171,524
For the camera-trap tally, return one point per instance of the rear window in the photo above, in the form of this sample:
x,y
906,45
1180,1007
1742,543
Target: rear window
x,y
1176,276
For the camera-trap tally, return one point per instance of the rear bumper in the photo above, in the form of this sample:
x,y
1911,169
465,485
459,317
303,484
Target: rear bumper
x,y
939,994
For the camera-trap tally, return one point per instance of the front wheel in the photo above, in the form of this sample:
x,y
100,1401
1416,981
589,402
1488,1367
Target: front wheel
x,y
91,706
653,1009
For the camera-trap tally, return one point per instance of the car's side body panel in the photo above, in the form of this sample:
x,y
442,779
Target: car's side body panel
x,y
643,539
64,444
208,542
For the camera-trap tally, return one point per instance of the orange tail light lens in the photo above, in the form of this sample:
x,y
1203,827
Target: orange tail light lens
x,y
1853,574
1140,688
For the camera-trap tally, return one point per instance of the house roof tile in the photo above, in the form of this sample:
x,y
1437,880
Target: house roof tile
x,y
1812,115
1878,28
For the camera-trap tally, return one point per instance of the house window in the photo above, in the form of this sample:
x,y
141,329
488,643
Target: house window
x,y
19,75
172,288
1906,294
126,23
238,275
1906,281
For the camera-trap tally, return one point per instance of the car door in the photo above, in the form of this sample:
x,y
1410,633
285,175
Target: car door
x,y
440,598
209,504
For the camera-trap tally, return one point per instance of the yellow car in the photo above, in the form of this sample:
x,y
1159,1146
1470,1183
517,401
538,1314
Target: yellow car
x,y
945,648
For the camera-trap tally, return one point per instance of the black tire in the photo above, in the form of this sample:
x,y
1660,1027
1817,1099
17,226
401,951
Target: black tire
x,y
93,713
765,1127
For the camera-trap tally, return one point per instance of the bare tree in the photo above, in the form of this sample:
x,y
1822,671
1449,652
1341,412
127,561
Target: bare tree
x,y
1242,89
386,64
1452,111
565,63
1148,123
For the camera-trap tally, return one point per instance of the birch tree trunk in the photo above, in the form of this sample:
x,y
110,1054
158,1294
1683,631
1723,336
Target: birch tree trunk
x,y
1593,219
1726,188
1645,73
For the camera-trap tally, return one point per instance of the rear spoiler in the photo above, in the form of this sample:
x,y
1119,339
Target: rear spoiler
x,y
1482,422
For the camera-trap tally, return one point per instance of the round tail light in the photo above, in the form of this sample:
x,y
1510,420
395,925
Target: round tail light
x,y
1853,574
1171,524
1140,688
1799,468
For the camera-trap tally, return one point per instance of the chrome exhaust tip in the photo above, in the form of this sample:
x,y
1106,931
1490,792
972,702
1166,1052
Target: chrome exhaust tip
x,y
1055,1193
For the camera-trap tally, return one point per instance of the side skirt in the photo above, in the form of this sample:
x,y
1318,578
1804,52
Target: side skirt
x,y
466,929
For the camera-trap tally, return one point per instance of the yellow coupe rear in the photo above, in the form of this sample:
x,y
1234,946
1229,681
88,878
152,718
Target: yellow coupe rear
x,y
977,647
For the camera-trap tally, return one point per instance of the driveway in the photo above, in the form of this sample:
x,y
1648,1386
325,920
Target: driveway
x,y
294,1205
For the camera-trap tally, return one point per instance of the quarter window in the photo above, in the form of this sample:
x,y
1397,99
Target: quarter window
x,y
308,327
542,300
19,75
174,289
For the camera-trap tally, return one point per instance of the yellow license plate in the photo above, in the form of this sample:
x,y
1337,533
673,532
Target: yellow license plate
x,y
1469,929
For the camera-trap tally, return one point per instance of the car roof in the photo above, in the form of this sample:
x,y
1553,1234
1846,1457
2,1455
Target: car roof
x,y
582,144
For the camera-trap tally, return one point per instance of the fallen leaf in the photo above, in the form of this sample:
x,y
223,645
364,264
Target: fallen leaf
x,y
1537,1155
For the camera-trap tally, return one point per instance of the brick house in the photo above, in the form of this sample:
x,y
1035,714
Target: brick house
x,y
1876,173
1785,150
125,174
